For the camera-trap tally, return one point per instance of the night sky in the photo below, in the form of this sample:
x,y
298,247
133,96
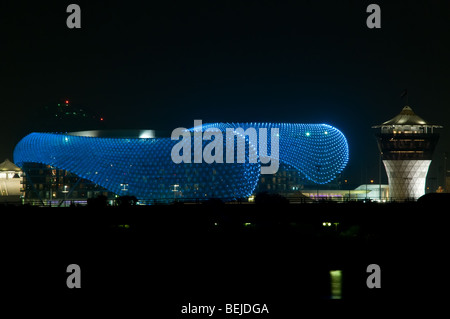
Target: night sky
x,y
160,65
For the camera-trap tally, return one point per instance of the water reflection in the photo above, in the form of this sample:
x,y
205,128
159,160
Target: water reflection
x,y
336,284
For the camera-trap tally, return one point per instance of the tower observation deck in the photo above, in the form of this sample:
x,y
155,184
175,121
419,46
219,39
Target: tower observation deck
x,y
407,143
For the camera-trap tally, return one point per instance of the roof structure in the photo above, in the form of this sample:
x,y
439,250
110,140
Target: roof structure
x,y
153,169
8,166
406,117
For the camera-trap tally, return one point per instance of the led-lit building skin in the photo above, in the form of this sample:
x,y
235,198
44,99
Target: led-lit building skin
x,y
406,143
142,166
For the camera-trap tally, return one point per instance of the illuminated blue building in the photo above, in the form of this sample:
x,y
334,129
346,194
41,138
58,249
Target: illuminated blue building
x,y
142,166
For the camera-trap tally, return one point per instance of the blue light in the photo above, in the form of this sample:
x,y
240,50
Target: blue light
x,y
146,167
318,151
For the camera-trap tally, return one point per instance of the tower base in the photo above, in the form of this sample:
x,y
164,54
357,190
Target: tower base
x,y
406,178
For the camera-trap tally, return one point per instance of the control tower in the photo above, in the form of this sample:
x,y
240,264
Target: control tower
x,y
406,143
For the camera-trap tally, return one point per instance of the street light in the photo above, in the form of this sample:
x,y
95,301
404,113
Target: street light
x,y
346,186
65,191
175,190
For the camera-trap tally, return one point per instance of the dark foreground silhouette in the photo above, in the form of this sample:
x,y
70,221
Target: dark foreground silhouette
x,y
165,256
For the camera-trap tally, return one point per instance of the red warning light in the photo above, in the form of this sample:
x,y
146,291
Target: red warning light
x,y
67,101
101,119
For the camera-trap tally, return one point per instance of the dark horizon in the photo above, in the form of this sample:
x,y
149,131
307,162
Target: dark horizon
x,y
161,66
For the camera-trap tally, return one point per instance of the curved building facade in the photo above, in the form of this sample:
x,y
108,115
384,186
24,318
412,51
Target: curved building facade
x,y
144,167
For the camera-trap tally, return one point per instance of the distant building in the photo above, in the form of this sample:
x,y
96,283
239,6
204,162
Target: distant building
x,y
10,182
287,181
65,115
372,192
65,110
406,143
48,185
